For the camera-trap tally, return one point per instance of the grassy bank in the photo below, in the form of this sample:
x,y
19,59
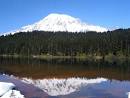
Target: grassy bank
x,y
96,57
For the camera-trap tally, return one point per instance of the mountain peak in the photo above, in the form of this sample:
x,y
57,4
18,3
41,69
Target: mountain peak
x,y
59,16
61,22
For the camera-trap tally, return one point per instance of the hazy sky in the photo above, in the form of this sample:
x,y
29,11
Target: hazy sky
x,y
107,13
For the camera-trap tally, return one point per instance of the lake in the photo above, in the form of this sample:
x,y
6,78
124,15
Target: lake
x,y
69,78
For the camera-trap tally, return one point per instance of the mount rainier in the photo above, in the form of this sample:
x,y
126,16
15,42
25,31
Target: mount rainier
x,y
60,22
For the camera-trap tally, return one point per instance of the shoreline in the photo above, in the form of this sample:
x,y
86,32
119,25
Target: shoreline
x,y
28,90
87,57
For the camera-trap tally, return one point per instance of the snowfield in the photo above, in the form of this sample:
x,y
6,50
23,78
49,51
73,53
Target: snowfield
x,y
6,91
128,94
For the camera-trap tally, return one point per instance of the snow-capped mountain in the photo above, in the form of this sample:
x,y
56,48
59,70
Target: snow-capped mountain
x,y
56,87
60,22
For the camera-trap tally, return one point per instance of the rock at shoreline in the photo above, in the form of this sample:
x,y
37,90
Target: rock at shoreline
x,y
6,91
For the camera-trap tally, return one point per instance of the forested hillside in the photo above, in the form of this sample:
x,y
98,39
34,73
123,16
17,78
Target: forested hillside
x,y
66,44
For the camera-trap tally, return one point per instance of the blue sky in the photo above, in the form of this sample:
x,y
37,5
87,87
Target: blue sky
x,y
107,13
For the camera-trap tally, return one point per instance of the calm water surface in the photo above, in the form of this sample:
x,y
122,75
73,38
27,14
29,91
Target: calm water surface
x,y
71,78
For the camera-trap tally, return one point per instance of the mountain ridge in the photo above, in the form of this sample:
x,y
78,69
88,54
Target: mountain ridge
x,y
60,22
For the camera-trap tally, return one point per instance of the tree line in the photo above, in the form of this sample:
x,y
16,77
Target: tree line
x,y
115,42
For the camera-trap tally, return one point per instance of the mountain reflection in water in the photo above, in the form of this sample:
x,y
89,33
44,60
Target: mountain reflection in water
x,y
72,78
56,87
